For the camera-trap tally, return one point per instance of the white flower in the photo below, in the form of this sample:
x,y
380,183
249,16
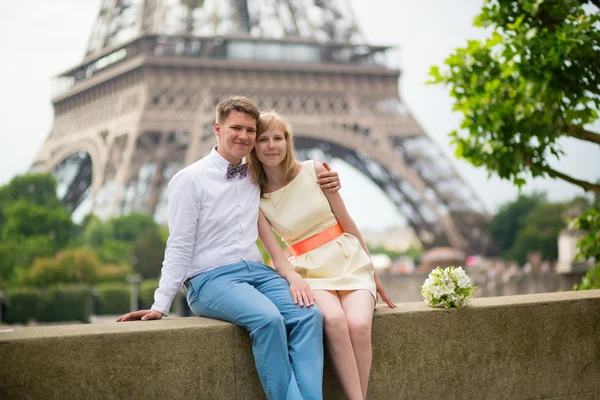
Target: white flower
x,y
450,287
461,277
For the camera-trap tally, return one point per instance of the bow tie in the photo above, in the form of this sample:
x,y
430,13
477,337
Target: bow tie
x,y
241,170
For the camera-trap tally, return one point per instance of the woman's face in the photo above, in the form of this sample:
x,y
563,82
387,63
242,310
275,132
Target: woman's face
x,y
271,146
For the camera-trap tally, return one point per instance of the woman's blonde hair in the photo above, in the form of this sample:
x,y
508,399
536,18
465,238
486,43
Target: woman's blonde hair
x,y
267,121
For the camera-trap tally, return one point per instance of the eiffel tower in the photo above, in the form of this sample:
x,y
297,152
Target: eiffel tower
x,y
140,106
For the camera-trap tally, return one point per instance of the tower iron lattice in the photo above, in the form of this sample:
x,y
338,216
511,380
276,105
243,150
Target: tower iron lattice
x,y
140,106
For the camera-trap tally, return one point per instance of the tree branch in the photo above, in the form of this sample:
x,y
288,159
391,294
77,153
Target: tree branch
x,y
587,186
583,134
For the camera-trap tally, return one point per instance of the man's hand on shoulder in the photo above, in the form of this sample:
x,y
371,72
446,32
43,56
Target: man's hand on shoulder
x,y
143,315
327,178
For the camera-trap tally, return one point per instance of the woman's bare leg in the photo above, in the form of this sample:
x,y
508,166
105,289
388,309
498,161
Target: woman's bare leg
x,y
339,343
358,306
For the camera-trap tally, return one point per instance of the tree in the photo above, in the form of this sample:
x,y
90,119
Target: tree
x,y
17,256
540,231
68,266
115,252
148,253
534,81
33,223
510,220
589,246
39,189
24,219
392,254
130,227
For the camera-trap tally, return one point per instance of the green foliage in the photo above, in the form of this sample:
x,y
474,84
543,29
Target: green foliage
x,y
129,227
24,201
589,246
164,233
63,303
113,273
530,224
68,266
113,299
39,189
263,252
133,239
392,254
534,81
510,219
115,251
591,279
19,254
95,232
540,231
33,223
24,219
146,293
22,305
148,253
40,246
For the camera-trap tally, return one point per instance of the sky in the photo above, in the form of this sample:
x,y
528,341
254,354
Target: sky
x,y
40,39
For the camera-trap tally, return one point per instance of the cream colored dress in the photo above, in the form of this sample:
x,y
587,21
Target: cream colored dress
x,y
301,210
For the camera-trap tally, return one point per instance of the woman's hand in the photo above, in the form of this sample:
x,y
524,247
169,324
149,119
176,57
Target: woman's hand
x,y
382,293
299,289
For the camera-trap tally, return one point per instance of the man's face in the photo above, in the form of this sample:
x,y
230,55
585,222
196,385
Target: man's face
x,y
236,136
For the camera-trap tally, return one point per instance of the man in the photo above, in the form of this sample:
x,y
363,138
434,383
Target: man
x,y
213,216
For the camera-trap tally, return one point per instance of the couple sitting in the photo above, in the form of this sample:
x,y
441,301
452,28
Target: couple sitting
x,y
216,212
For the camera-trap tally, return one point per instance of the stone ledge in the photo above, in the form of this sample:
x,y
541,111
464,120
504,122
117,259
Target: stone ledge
x,y
514,347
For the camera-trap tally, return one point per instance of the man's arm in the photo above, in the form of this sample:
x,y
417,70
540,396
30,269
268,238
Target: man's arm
x,y
184,211
328,179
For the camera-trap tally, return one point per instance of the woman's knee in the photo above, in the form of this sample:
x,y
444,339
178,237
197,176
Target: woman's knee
x,y
359,327
335,320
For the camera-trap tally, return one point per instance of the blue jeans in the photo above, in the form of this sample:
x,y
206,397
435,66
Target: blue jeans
x,y
287,340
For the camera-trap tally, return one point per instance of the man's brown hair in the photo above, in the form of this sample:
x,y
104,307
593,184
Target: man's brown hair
x,y
239,104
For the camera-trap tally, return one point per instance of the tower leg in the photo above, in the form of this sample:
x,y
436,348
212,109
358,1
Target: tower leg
x,y
123,172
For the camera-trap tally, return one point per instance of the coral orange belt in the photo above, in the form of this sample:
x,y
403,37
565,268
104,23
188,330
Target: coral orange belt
x,y
316,240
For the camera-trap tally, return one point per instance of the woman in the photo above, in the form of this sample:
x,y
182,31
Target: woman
x,y
328,250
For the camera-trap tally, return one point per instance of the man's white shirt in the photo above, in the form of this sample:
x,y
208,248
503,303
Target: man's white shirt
x,y
213,221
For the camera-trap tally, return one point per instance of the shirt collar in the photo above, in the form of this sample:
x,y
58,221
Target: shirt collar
x,y
219,161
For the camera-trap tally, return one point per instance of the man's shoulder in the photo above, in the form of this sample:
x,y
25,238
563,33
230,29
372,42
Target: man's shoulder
x,y
192,172
201,164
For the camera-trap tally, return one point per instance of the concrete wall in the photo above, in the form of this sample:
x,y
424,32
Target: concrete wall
x,y
515,347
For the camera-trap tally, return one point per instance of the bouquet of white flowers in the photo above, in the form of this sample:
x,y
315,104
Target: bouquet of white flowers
x,y
450,287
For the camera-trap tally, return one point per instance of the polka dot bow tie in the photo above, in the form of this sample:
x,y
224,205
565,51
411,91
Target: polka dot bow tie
x,y
241,170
